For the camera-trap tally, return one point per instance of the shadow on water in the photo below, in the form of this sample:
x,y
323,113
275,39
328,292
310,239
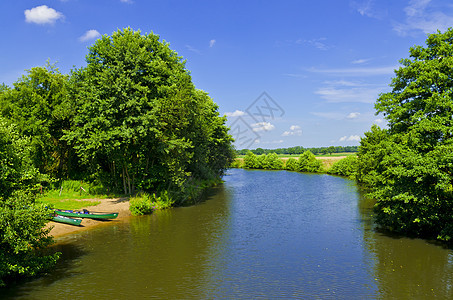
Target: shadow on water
x,y
70,254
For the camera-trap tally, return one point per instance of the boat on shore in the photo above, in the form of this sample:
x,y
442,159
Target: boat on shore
x,y
66,220
86,214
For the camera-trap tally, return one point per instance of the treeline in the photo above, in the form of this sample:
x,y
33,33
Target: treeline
x,y
306,162
409,165
130,121
299,150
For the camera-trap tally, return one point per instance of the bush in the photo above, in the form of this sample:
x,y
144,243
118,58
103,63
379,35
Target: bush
x,y
250,161
308,163
147,203
271,161
291,164
237,163
22,237
347,166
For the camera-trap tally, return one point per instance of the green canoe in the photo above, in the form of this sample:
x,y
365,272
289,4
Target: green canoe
x,y
66,220
86,214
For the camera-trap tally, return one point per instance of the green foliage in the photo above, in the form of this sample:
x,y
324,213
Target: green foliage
x,y
147,203
237,163
308,163
23,237
409,166
250,161
265,161
347,167
297,150
16,168
38,104
140,122
291,164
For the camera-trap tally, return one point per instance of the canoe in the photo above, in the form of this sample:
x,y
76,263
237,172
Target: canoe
x,y
86,214
66,220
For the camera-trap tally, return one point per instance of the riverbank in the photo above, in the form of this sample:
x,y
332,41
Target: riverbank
x,y
120,205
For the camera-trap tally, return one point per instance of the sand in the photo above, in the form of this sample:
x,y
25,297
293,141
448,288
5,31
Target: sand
x,y
120,205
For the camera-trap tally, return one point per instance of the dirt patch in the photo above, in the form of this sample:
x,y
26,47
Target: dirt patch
x,y
120,205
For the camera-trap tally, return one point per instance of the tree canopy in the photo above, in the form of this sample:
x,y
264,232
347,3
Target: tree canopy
x,y
140,122
409,165
131,120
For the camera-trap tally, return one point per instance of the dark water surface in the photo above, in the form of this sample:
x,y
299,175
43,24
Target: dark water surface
x,y
262,234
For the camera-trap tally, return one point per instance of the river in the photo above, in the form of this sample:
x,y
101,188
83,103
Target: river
x,y
260,235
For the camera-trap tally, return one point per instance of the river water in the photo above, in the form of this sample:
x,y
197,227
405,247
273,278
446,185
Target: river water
x,y
260,235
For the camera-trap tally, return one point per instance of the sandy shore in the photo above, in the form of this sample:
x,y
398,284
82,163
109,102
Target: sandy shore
x,y
120,205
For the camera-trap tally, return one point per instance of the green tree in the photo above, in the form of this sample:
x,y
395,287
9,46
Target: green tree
x,y
22,233
409,166
250,161
272,162
140,121
331,150
345,167
38,104
291,164
308,163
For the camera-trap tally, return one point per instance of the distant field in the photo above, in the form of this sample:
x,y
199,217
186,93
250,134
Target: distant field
x,y
326,159
340,154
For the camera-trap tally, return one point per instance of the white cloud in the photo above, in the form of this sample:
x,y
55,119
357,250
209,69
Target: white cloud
x,y
351,138
212,43
90,35
127,1
365,8
353,115
342,91
329,115
360,61
368,8
273,142
42,15
357,94
371,71
262,126
317,43
378,121
190,48
236,113
421,16
293,130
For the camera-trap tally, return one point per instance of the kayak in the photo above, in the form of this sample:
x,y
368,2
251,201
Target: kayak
x,y
66,220
86,214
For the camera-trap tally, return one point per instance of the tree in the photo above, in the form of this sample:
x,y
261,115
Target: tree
x,y
308,163
140,122
331,150
38,105
410,166
22,233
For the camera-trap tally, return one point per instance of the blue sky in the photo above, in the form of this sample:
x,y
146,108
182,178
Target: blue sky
x,y
286,73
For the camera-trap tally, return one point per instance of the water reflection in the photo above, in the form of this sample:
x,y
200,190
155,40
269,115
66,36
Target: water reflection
x,y
407,268
261,235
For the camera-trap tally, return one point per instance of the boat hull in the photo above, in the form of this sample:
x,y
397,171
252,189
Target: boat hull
x,y
66,220
90,215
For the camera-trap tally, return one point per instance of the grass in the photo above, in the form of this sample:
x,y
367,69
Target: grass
x,y
69,199
68,204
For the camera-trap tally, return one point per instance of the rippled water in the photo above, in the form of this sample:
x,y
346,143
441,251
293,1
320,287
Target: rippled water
x,y
262,234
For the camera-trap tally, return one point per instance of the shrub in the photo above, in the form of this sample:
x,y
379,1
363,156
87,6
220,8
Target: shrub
x,y
22,236
271,161
291,164
147,203
308,163
347,166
